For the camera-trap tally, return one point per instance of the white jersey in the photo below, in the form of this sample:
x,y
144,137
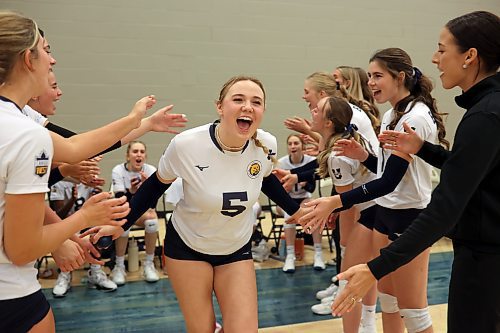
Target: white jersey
x,y
121,176
285,163
25,156
414,189
365,128
220,187
345,171
174,193
63,191
34,115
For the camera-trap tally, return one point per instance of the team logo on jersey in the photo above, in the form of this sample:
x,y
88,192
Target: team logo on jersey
x,y
254,168
41,164
337,174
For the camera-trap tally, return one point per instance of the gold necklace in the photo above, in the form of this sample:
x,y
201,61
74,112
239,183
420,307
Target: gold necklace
x,y
223,146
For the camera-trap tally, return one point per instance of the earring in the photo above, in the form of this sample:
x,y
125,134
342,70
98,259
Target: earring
x,y
464,66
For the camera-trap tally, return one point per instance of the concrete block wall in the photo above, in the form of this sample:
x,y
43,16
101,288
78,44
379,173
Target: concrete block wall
x,y
111,53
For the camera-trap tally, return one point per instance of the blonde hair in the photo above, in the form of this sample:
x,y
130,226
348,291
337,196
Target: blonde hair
x,y
351,74
17,35
323,81
222,94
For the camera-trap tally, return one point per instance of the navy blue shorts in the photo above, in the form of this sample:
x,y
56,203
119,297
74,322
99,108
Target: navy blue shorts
x,y
393,222
367,217
19,315
175,248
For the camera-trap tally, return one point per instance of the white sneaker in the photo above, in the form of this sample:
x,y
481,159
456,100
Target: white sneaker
x,y
329,299
322,308
319,264
150,274
63,285
119,275
218,327
330,291
99,280
289,266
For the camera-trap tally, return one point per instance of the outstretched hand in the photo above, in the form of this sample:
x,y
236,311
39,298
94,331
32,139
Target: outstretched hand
x,y
360,280
163,121
350,148
318,217
407,142
100,210
280,173
298,124
141,106
100,231
69,256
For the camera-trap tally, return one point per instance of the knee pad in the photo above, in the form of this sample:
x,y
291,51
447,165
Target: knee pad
x,y
388,303
289,226
125,233
151,226
416,320
342,251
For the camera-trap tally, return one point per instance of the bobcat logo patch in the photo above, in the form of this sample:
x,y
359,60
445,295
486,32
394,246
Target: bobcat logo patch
x,y
42,164
253,169
337,174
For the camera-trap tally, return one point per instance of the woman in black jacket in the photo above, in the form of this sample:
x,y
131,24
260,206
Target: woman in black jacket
x,y
466,203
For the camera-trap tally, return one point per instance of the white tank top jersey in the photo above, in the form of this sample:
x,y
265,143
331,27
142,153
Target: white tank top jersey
x,y
34,115
365,128
220,187
285,163
26,154
414,190
345,171
121,176
63,191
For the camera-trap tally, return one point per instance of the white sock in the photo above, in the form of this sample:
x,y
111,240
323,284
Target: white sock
x,y
290,250
368,315
318,248
150,257
120,261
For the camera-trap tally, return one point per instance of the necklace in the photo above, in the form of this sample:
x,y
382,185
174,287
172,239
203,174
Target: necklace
x,y
223,146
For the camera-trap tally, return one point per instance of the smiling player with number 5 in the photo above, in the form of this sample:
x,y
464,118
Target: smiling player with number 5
x,y
224,166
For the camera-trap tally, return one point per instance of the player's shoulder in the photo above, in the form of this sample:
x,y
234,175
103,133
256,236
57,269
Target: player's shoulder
x,y
119,168
191,136
267,138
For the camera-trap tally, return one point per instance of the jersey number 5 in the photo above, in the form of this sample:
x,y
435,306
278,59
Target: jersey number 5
x,y
228,208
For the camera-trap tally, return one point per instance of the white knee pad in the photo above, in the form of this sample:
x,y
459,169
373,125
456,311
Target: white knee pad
x,y
125,233
388,303
289,226
416,320
151,226
342,251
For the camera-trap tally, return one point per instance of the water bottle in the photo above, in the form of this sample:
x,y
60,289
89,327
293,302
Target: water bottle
x,y
133,255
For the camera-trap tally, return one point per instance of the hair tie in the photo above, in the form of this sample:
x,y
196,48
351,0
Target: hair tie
x,y
351,128
417,74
